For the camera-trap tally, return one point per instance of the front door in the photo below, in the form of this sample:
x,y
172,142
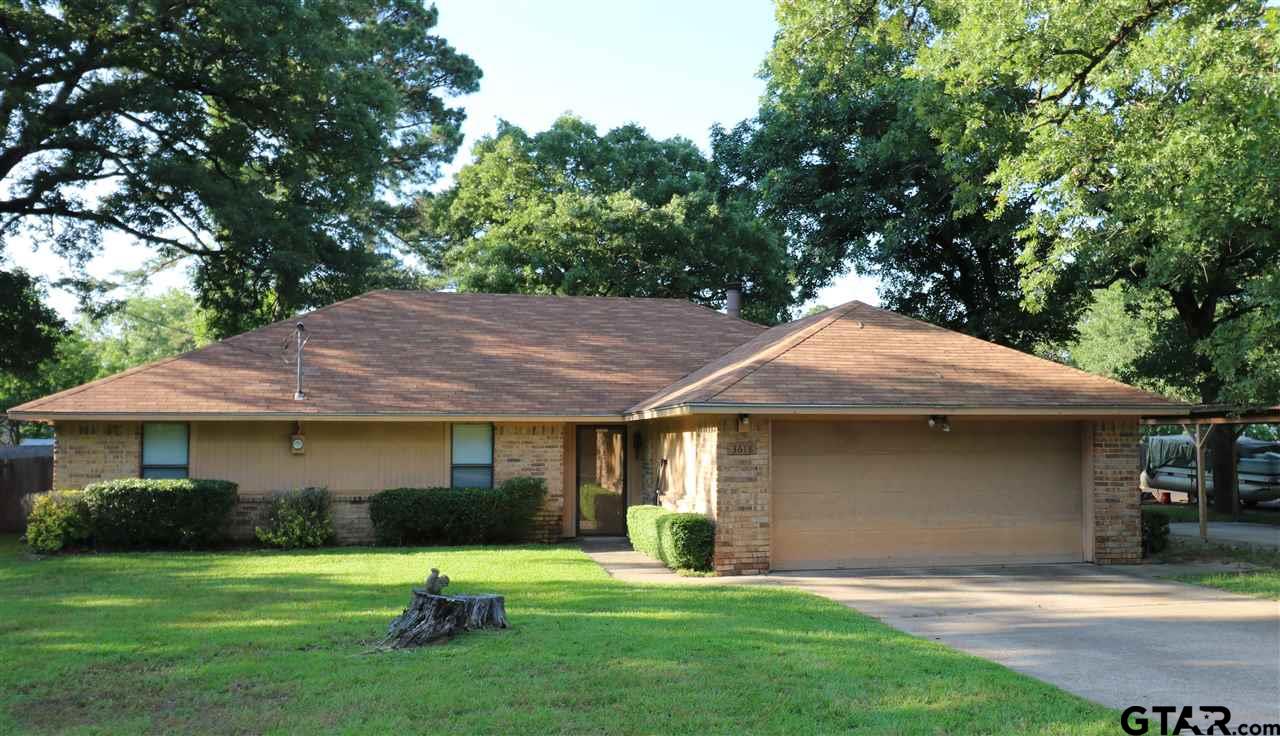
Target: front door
x,y
602,481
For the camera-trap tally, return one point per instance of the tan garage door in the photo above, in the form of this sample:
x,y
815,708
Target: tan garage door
x,y
893,493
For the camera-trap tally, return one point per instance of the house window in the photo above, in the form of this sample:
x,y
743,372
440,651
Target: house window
x,y
164,450
472,456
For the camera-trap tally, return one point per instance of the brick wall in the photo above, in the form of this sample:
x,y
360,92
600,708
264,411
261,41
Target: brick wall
x,y
87,452
351,521
537,450
1114,504
742,497
687,481
716,468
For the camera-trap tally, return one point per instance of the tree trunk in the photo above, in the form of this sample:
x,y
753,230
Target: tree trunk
x,y
431,619
1222,446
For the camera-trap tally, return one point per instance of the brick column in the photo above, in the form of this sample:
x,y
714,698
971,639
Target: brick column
x,y
742,497
535,450
88,452
1113,506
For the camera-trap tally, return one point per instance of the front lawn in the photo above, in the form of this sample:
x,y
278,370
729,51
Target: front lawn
x,y
252,642
1261,581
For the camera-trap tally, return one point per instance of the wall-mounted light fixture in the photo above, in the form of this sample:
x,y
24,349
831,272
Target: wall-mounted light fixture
x,y
939,421
744,422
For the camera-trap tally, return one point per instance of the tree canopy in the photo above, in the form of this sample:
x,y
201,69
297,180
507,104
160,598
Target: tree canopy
x,y
1153,157
29,330
863,166
141,330
570,211
268,139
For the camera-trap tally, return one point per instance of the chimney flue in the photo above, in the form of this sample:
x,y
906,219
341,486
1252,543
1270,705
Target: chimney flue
x,y
733,300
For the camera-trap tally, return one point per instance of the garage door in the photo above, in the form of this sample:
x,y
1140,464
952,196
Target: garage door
x,y
894,493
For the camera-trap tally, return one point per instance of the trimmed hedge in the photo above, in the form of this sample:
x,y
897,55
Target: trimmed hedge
x,y
298,519
151,512
58,519
678,540
452,516
1155,532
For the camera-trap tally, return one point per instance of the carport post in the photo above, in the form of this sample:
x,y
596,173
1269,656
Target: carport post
x,y
1203,504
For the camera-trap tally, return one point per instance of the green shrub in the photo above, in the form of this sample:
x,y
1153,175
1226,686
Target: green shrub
x,y
138,512
1155,532
642,528
298,519
680,541
58,519
686,541
424,516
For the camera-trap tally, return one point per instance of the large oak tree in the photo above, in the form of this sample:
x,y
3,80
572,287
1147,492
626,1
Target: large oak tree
x,y
268,139
867,167
570,211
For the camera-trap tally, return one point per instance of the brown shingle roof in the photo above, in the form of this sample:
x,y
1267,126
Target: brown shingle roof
x,y
425,353
401,353
859,356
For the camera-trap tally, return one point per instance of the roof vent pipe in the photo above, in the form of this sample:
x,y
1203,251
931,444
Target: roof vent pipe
x,y
301,337
733,300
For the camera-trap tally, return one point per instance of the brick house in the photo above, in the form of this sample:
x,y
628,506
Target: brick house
x,y
852,438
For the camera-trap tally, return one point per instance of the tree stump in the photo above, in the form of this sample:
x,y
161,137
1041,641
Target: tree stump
x,y
432,618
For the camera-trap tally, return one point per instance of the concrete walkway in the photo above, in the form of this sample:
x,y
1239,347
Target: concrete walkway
x,y
1265,536
1113,637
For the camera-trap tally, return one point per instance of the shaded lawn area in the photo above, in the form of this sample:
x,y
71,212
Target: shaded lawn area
x,y
1178,512
257,641
1261,582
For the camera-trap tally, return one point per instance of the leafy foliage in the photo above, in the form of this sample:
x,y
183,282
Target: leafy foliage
x,y
57,520
75,361
1150,159
29,330
569,211
865,166
299,518
140,330
1155,532
261,138
407,516
681,541
147,328
151,513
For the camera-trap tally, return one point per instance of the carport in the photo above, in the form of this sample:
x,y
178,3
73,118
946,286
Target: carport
x,y
1201,423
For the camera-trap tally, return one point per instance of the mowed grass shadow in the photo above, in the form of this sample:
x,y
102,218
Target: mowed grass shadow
x,y
278,642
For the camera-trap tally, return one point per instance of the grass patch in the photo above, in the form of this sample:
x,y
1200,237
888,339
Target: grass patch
x,y
1187,513
1256,583
275,642
1262,580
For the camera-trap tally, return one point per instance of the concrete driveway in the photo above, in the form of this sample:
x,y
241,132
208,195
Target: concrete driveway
x,y
1117,636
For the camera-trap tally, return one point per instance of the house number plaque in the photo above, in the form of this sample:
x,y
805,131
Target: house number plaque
x,y
742,447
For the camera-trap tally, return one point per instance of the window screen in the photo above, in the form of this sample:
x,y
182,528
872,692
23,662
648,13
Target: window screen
x,y
472,456
164,450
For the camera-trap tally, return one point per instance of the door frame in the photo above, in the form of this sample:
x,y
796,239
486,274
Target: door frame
x,y
577,476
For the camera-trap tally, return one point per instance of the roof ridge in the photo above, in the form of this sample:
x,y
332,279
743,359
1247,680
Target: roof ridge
x,y
1016,351
226,341
807,333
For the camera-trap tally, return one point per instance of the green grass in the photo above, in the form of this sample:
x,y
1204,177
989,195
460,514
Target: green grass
x,y
1189,513
1257,583
274,642
1261,582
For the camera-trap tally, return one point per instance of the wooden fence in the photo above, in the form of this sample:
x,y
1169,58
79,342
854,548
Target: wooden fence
x,y
23,471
